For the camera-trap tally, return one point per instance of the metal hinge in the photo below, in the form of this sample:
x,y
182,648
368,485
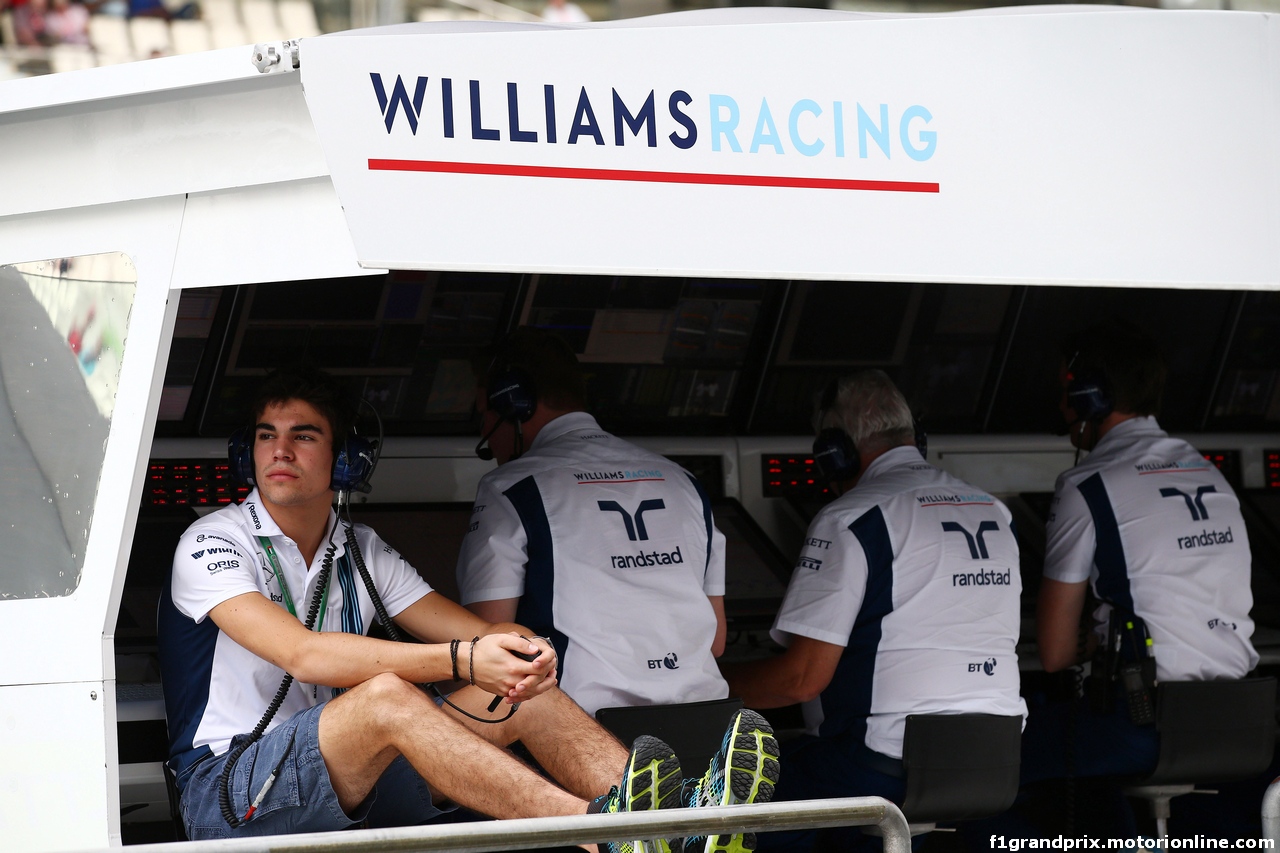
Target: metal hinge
x,y
276,57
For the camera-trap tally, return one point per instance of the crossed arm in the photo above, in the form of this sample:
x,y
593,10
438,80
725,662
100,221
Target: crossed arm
x,y
338,659
798,675
504,610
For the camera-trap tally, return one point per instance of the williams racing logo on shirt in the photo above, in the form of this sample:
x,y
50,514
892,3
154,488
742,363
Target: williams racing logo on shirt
x,y
640,475
200,554
973,499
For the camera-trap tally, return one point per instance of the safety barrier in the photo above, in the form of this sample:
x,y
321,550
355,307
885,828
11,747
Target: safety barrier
x,y
528,833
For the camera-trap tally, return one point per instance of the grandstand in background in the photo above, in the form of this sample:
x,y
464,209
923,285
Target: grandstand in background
x,y
220,24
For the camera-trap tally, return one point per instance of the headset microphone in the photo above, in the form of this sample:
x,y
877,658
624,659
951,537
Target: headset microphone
x,y
484,452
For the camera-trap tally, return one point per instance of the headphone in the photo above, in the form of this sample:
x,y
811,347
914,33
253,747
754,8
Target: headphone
x,y
511,395
353,463
1087,393
835,454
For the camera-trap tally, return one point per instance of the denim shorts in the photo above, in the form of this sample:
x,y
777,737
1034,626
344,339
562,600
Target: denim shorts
x,y
302,798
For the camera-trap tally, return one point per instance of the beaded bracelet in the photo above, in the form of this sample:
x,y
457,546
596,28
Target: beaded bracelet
x,y
453,658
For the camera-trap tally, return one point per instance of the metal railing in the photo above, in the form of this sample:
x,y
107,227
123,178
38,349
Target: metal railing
x,y
1271,813
527,833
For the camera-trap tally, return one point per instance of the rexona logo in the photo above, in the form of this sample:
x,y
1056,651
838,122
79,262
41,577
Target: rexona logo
x,y
739,122
667,662
253,513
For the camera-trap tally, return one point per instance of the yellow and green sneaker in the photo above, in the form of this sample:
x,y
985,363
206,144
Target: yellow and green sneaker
x,y
651,780
745,770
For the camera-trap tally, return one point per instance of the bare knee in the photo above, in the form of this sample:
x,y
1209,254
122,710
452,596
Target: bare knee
x,y
386,700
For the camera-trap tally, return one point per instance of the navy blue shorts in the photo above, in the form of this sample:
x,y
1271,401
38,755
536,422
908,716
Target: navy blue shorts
x,y
302,798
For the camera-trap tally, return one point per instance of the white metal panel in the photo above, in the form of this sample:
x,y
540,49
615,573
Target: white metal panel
x,y
46,730
75,648
131,145
272,232
1069,148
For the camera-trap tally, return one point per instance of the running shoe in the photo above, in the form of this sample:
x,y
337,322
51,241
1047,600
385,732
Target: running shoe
x,y
745,770
651,780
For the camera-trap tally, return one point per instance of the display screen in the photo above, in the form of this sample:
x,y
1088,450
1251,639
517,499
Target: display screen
x,y
403,342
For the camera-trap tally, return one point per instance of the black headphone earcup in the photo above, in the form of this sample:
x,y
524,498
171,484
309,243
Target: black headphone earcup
x,y
512,395
1087,395
835,455
240,455
353,465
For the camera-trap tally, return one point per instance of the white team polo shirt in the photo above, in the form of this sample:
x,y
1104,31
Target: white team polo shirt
x,y
215,688
915,573
1158,532
612,551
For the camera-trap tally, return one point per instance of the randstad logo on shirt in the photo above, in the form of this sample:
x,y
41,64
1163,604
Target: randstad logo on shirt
x,y
645,560
1205,538
985,577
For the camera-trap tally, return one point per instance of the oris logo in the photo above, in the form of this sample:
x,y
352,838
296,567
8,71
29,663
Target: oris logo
x,y
219,565
668,662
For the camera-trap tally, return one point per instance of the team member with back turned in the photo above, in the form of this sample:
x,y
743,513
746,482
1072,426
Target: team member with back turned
x,y
904,601
349,736
1157,532
604,547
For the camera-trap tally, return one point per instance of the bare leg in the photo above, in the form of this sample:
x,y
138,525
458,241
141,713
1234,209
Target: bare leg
x,y
363,730
574,749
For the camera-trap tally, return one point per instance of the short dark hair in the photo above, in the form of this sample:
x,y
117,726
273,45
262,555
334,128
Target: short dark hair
x,y
321,390
557,376
1129,361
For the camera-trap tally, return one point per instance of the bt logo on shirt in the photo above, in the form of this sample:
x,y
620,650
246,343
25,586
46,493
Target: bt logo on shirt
x,y
668,662
987,667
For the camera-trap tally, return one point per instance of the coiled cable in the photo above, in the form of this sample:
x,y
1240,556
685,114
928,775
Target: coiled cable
x,y
224,780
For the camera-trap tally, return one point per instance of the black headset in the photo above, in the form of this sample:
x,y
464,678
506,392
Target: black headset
x,y
835,454
513,396
353,463
1087,392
